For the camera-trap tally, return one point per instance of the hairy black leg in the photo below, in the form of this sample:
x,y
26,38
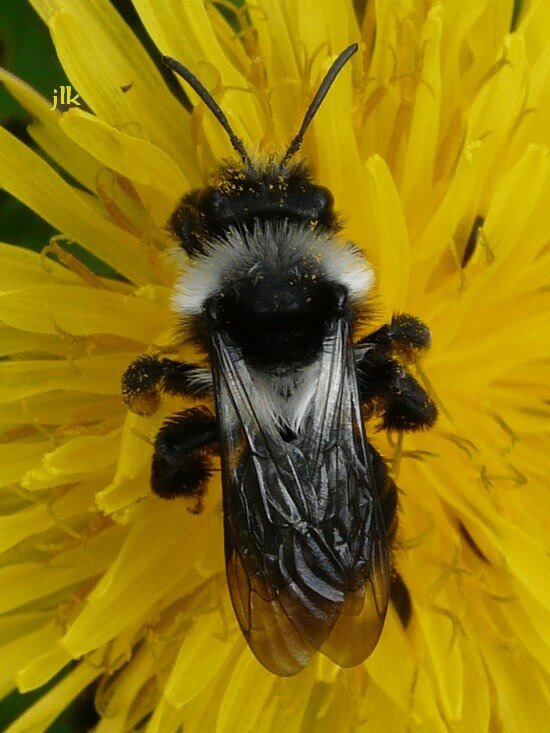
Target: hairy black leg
x,y
403,336
183,446
401,599
149,375
386,387
388,497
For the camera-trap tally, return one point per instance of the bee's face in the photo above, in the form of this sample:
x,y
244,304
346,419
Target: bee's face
x,y
266,195
242,197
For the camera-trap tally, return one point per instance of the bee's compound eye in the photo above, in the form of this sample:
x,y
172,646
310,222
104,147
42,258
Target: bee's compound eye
x,y
212,202
322,198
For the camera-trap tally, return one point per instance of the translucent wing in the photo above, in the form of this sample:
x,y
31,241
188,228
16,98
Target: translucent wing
x,y
306,552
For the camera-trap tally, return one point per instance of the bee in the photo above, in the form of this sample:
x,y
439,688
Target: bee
x,y
273,295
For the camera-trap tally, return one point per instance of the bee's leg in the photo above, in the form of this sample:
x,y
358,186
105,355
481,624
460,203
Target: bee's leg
x,y
148,376
388,497
183,446
387,388
401,599
405,335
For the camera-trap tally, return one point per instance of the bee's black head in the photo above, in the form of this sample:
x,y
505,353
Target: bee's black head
x,y
243,197
247,194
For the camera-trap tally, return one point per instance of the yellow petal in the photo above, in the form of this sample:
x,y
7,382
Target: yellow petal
x,y
129,482
506,220
534,20
108,58
394,645
26,582
73,461
137,579
133,157
197,46
79,311
40,715
120,698
54,408
203,651
94,374
14,342
29,635
238,704
476,700
520,696
279,58
418,162
21,267
16,460
321,22
46,130
444,661
166,719
30,179
388,238
526,559
43,668
18,526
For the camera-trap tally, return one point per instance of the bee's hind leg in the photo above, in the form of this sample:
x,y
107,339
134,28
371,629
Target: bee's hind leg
x,y
401,599
387,388
181,462
388,497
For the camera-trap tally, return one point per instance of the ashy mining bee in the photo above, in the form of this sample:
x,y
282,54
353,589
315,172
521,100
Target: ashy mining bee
x,y
272,294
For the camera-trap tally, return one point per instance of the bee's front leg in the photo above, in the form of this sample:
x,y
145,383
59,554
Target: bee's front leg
x,y
183,448
149,375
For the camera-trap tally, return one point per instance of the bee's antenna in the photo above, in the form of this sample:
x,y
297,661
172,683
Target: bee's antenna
x,y
332,73
212,105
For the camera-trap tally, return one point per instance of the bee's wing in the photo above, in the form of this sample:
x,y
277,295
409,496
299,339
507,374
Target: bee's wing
x,y
306,554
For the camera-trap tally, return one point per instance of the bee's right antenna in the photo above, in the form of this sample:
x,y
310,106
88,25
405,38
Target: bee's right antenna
x,y
332,73
212,105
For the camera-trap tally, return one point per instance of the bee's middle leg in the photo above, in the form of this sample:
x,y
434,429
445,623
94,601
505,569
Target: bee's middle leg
x,y
387,388
404,335
183,447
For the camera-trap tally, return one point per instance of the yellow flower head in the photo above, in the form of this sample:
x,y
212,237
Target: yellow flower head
x,y
434,143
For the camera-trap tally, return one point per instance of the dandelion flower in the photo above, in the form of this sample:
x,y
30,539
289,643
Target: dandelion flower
x,y
434,143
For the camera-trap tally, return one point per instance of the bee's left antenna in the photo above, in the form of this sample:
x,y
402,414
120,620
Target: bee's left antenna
x,y
212,105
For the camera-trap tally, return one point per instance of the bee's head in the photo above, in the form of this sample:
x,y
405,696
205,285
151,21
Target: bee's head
x,y
248,193
243,197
